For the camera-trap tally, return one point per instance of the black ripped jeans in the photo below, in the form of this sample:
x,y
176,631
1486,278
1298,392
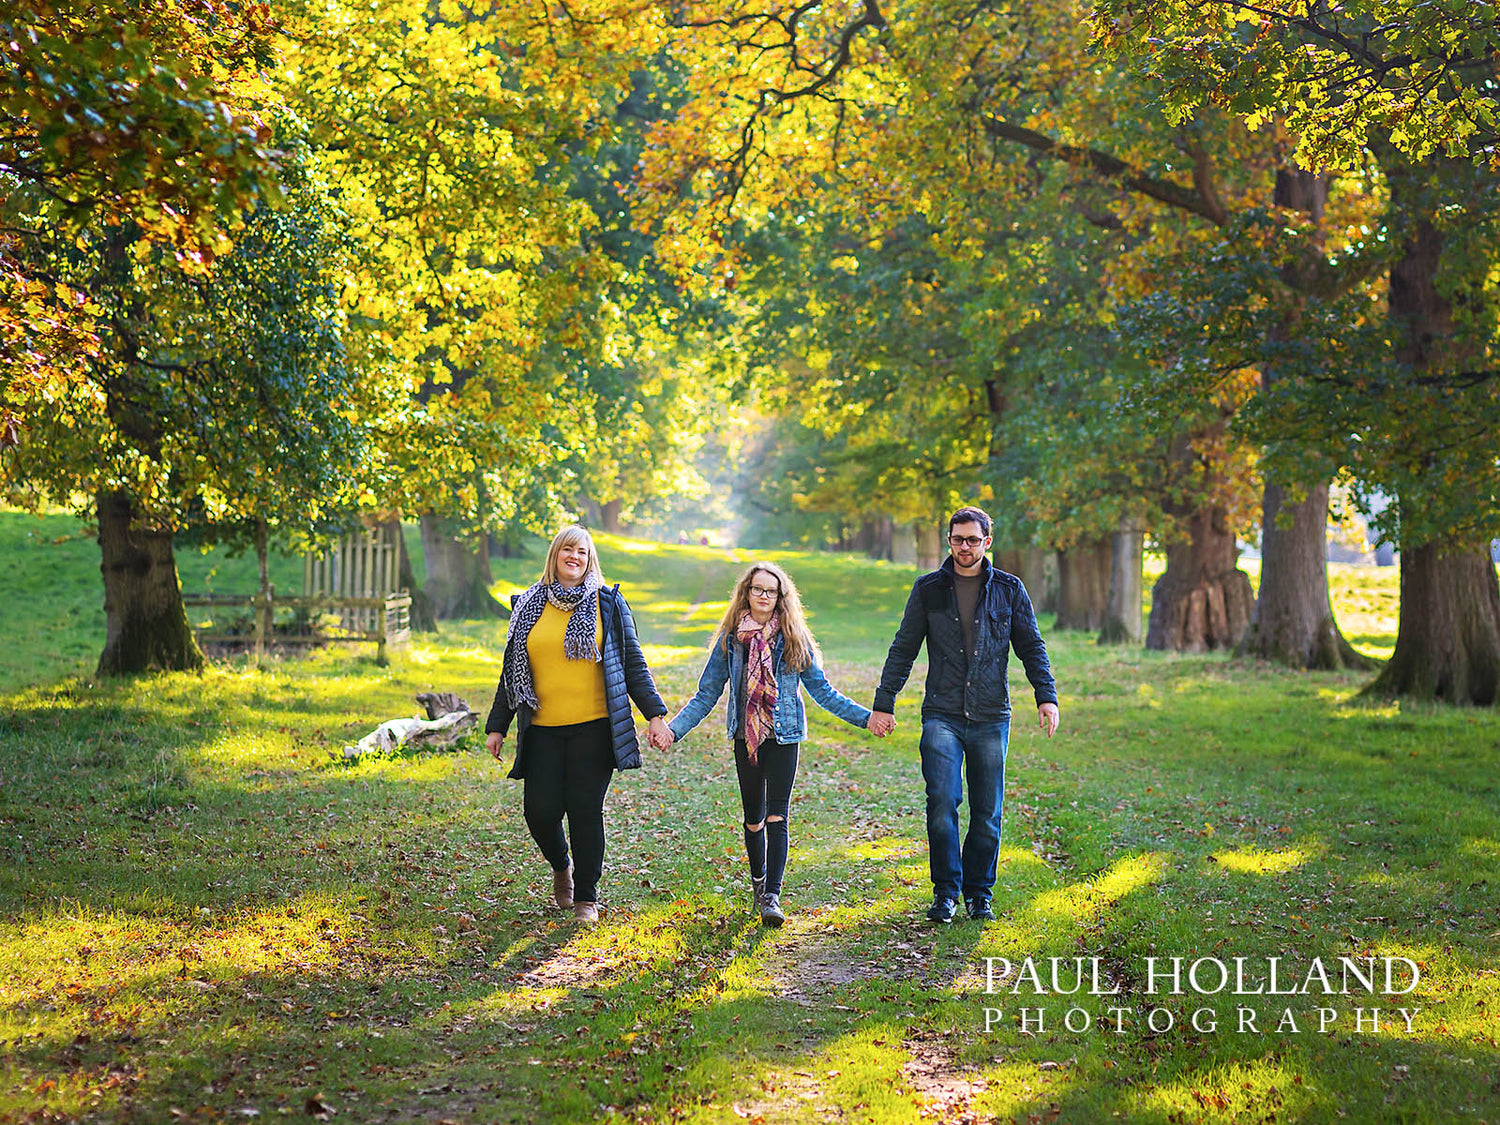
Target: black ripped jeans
x,y
568,771
766,792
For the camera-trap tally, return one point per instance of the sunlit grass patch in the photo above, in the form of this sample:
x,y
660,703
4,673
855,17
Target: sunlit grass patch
x,y
884,847
83,968
1085,900
1014,1088
671,654
1254,861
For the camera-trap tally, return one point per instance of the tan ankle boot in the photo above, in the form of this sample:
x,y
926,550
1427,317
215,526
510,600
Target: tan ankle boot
x,y
586,912
562,887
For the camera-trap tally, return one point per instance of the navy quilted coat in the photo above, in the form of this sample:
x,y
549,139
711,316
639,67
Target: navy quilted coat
x,y
626,677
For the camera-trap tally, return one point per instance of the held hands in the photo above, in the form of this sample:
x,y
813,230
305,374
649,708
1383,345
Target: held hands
x,y
881,723
659,735
494,742
1047,717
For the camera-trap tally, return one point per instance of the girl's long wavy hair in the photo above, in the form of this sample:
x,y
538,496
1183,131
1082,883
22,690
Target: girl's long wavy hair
x,y
800,650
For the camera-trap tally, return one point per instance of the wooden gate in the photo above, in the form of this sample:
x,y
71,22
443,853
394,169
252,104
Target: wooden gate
x,y
361,579
363,567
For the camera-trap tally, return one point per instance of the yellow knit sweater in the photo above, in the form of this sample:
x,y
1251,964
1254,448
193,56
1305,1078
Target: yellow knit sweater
x,y
567,691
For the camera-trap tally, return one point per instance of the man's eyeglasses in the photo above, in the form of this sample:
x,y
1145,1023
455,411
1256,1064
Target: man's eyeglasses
x,y
966,540
765,591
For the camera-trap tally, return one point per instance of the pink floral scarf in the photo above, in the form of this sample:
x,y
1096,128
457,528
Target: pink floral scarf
x,y
760,680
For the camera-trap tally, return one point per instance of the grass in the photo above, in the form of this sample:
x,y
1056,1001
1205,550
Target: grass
x,y
204,916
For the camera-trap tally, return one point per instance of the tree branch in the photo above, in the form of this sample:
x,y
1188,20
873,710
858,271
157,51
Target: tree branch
x,y
1110,167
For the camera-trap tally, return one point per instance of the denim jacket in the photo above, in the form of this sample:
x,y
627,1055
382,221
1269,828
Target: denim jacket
x,y
790,717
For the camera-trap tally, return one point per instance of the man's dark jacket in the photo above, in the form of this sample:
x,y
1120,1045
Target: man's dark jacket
x,y
626,677
958,687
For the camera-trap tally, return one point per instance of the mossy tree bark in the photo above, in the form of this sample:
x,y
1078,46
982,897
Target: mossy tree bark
x,y
458,573
929,534
1122,614
1293,619
146,625
1203,600
1083,585
1448,641
1031,565
609,516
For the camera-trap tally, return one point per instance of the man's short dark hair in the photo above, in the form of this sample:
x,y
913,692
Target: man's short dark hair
x,y
970,515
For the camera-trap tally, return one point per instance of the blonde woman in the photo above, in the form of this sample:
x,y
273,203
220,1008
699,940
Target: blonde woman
x,y
765,652
572,666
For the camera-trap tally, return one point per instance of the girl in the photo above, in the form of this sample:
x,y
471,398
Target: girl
x,y
764,651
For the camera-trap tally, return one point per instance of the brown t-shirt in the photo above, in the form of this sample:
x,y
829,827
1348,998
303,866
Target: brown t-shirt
x,y
967,586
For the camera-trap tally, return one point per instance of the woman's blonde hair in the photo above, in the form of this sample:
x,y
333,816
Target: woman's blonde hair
x,y
800,650
568,537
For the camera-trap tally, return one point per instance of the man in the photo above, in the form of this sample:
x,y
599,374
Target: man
x,y
970,614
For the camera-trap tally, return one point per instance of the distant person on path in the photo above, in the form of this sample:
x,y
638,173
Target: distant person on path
x,y
572,665
765,652
971,614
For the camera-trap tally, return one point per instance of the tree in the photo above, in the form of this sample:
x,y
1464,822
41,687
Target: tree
x,y
859,97
216,398
116,112
448,132
1410,91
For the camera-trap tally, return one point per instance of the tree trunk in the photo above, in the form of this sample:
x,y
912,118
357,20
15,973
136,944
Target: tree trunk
x,y
1293,619
1122,614
609,517
146,626
882,533
1031,565
861,539
1203,601
1448,639
929,544
1448,642
421,615
458,573
1083,585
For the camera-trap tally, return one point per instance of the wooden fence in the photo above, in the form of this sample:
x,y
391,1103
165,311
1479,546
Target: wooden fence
x,y
356,582
360,568
389,617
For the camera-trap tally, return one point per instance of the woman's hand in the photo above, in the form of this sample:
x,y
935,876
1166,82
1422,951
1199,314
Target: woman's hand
x,y
494,742
659,734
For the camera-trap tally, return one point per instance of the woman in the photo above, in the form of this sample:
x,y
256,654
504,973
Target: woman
x,y
572,666
764,651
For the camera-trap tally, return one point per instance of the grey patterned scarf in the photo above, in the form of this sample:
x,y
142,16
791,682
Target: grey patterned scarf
x,y
581,602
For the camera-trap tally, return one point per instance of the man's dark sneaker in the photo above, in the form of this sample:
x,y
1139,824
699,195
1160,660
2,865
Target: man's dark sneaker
x,y
979,909
942,909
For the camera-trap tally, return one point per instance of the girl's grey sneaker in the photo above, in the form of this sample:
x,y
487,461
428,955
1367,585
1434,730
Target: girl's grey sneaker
x,y
757,894
770,910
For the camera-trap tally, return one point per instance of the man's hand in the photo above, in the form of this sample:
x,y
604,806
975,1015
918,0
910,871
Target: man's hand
x,y
1046,717
881,723
495,743
659,735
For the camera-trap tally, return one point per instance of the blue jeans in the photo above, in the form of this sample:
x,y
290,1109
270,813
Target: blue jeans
x,y
950,749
